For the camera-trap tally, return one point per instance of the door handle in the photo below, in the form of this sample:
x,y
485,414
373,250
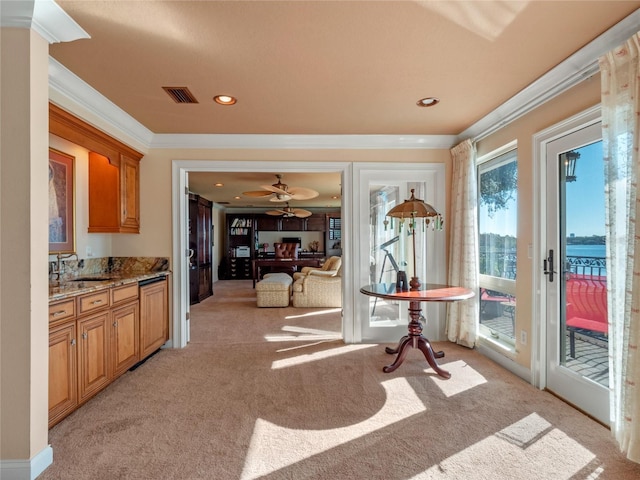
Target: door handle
x,y
548,266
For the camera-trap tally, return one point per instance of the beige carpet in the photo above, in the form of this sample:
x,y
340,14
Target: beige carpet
x,y
271,393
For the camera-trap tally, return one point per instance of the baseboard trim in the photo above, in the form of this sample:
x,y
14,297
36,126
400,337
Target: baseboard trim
x,y
26,469
506,362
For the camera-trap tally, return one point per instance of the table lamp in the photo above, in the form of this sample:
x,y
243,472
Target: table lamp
x,y
413,209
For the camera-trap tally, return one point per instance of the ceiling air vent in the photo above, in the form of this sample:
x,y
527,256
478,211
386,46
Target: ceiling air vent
x,y
180,94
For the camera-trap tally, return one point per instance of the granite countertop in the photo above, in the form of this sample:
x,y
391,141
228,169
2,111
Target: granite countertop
x,y
59,290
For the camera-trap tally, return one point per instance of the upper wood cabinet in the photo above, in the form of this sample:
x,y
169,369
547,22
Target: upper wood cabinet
x,y
267,223
316,222
114,174
114,200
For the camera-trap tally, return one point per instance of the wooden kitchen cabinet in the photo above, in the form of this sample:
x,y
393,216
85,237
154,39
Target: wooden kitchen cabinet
x,y
97,336
154,316
63,371
93,354
125,327
114,199
114,173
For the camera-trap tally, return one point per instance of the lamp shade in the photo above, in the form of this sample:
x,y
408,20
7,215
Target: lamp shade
x,y
413,208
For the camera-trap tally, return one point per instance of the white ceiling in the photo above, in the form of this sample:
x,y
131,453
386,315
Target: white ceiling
x,y
323,67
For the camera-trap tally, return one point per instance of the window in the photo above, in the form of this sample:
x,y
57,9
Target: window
x,y
497,227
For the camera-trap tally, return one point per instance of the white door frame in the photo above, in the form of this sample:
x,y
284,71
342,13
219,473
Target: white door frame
x,y
433,174
539,305
179,174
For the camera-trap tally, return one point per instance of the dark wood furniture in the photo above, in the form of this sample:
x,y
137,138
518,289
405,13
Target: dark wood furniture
x,y
415,339
200,262
272,262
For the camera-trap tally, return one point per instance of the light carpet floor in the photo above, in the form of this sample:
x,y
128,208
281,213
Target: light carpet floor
x,y
273,393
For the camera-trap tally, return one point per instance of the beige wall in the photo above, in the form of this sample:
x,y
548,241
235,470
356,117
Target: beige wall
x,y
23,244
576,100
155,184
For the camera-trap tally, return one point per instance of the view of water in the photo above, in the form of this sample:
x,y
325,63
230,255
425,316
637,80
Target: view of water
x,y
586,251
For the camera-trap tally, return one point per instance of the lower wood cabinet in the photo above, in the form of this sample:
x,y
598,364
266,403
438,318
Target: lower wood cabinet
x,y
93,355
125,342
63,371
96,337
154,317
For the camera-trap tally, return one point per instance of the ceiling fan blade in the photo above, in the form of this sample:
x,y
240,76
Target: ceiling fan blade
x,y
301,213
273,189
275,212
301,193
257,193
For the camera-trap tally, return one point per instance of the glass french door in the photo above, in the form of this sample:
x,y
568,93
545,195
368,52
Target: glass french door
x,y
384,248
576,274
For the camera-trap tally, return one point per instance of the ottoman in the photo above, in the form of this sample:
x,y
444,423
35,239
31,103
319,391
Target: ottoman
x,y
274,290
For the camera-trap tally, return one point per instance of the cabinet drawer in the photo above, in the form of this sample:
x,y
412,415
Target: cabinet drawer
x,y
93,301
62,310
124,293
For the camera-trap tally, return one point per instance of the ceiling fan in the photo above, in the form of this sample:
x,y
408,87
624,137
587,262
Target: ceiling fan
x,y
281,192
290,212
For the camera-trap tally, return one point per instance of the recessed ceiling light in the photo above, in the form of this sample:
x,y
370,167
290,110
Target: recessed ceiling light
x,y
428,102
237,198
218,184
225,99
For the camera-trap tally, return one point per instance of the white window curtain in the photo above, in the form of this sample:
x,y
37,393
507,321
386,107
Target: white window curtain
x,y
620,109
463,317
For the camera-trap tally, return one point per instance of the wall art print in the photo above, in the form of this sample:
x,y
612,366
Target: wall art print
x,y
61,202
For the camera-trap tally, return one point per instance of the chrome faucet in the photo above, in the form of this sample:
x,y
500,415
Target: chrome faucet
x,y
59,270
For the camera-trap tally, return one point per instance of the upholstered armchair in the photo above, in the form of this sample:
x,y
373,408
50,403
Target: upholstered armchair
x,y
318,290
329,268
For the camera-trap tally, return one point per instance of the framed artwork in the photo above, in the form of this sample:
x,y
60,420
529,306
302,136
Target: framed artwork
x,y
62,236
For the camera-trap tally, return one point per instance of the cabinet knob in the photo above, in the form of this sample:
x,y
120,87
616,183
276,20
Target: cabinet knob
x,y
73,342
115,324
84,335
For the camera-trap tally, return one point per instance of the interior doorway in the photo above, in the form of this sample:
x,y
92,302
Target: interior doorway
x,y
181,169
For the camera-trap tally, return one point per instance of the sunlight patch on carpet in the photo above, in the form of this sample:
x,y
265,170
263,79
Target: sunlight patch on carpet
x,y
302,334
463,378
314,313
314,357
273,447
529,448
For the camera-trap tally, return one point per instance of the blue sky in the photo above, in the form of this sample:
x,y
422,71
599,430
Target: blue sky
x,y
585,196
585,200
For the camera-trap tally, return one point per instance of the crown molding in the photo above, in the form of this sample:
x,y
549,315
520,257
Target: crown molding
x,y
69,91
43,16
578,67
74,92
255,141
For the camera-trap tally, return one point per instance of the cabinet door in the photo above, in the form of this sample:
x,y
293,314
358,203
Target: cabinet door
x,y
316,222
292,224
125,342
268,223
63,373
129,195
154,317
93,355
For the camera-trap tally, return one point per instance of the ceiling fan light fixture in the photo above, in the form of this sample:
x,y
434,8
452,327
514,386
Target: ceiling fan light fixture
x,y
280,198
225,99
428,102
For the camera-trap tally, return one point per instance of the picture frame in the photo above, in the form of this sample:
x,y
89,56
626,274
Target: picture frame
x,y
62,237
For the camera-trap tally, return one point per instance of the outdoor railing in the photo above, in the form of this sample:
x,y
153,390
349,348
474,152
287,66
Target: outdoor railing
x,y
596,266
